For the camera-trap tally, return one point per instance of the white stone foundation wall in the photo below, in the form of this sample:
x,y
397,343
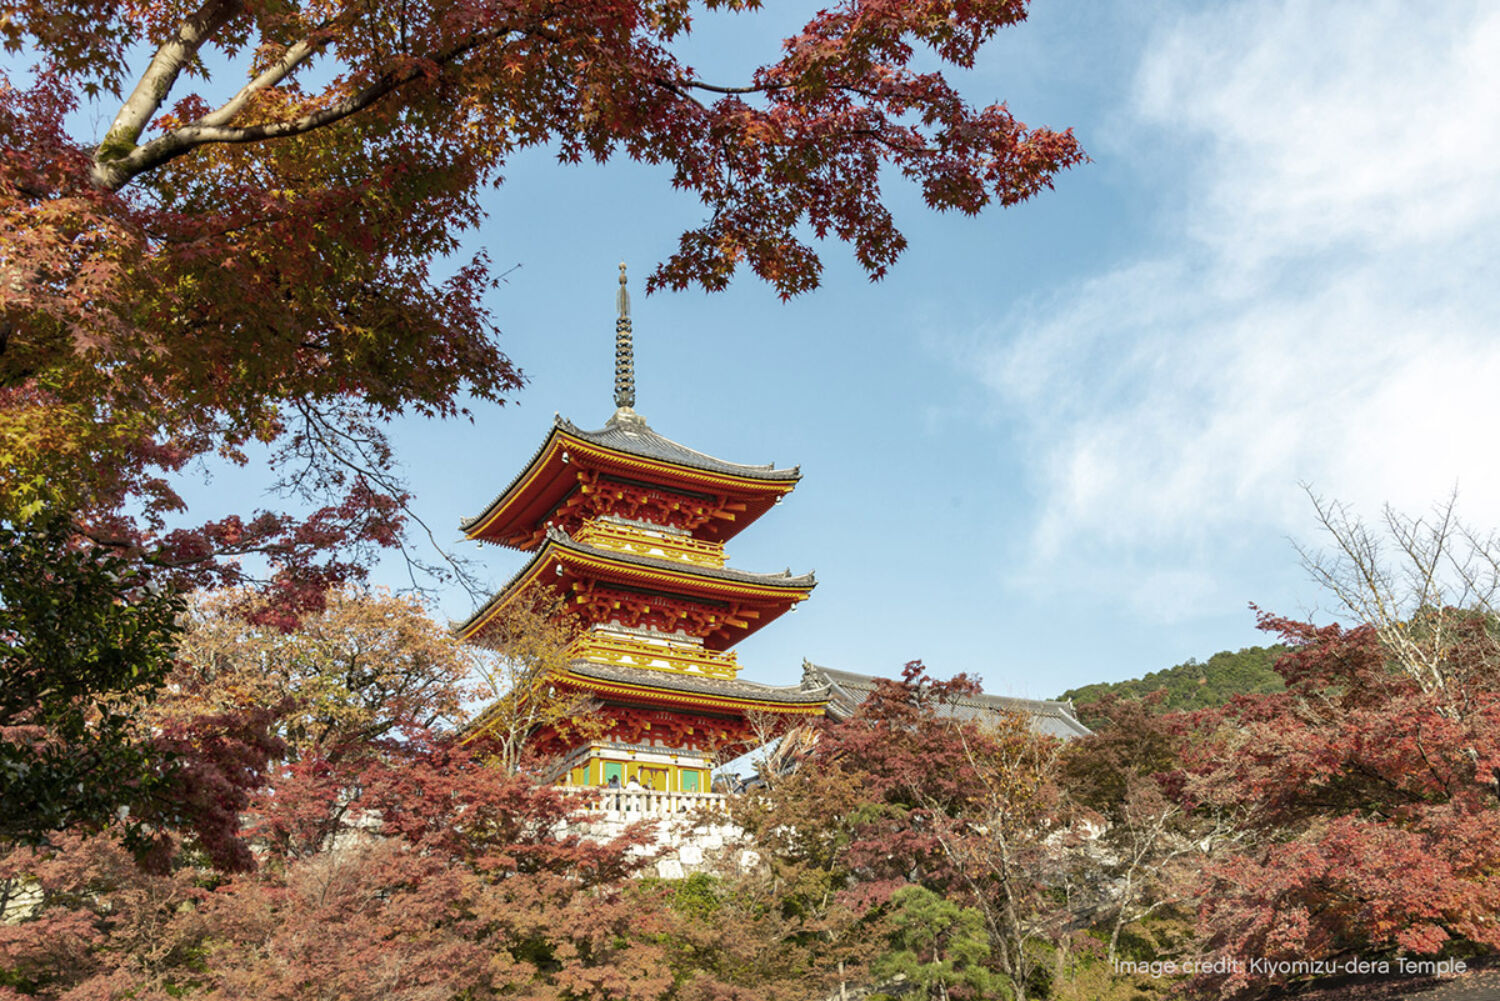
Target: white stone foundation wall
x,y
692,833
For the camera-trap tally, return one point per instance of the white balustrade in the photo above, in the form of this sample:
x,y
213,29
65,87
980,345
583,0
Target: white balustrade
x,y
648,804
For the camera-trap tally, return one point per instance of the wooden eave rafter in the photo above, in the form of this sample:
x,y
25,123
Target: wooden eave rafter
x,y
518,518
747,606
697,700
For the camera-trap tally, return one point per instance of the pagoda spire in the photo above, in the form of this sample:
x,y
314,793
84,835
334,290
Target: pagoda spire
x,y
624,353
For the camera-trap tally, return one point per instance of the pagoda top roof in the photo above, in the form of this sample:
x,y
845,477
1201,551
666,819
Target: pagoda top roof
x,y
628,432
626,447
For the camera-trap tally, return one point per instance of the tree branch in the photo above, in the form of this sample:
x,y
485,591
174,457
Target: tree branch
x,y
278,71
156,83
116,173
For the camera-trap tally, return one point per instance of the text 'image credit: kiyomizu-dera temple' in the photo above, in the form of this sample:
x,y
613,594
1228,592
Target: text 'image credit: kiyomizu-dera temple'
x,y
629,527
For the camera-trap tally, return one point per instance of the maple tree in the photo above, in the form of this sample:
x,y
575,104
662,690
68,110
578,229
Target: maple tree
x,y
1371,808
361,685
248,254
1007,845
1368,792
380,857
120,712
906,792
1146,857
470,890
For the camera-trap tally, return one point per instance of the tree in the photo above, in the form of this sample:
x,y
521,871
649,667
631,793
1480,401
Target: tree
x,y
83,636
1428,587
940,947
389,860
352,688
85,643
1189,685
473,889
529,643
1151,845
1005,842
247,254
909,792
369,666
806,887
1370,822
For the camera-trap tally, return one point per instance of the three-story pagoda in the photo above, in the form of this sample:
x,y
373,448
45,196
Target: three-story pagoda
x,y
629,527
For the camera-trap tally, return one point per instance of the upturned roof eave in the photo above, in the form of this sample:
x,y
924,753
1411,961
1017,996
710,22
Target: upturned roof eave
x,y
671,453
558,540
729,692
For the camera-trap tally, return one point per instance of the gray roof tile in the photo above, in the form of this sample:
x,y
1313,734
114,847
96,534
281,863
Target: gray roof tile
x,y
785,579
848,690
562,540
700,684
630,433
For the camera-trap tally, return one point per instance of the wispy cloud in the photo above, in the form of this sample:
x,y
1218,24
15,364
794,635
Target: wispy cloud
x,y
1322,305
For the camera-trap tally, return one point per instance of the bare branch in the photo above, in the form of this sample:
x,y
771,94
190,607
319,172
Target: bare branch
x,y
1421,595
354,454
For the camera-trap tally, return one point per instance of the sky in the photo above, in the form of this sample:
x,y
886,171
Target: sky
x,y
1070,441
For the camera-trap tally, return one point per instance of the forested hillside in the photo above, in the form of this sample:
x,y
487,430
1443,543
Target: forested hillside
x,y
1195,684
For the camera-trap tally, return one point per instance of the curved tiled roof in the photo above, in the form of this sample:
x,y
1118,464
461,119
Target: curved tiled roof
x,y
556,537
627,432
785,579
729,688
847,690
630,434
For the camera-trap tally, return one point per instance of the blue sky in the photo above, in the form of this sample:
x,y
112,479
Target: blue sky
x,y
1061,443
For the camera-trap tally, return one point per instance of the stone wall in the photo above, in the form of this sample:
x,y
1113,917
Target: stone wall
x,y
692,829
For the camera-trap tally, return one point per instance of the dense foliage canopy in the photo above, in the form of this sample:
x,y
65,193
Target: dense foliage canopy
x,y
371,851
1193,684
259,248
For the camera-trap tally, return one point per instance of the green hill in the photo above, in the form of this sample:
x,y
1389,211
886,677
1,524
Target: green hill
x,y
1195,684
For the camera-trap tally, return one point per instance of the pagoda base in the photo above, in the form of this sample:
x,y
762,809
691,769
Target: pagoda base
x,y
610,764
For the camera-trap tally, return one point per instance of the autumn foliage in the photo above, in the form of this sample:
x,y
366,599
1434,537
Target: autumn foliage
x,y
1373,804
380,858
315,811
370,853
259,249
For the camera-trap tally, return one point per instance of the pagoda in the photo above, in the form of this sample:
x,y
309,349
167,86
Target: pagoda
x,y
629,527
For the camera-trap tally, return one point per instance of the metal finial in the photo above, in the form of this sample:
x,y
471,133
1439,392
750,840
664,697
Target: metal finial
x,y
624,349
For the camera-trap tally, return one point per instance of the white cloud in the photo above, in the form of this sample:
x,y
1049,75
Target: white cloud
x,y
1326,308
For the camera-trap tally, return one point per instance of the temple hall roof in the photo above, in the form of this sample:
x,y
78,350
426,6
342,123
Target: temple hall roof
x,y
846,690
